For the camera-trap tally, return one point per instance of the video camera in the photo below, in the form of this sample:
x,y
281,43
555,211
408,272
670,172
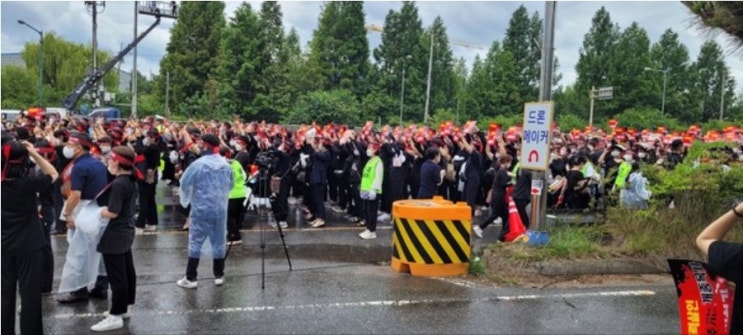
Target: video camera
x,y
265,159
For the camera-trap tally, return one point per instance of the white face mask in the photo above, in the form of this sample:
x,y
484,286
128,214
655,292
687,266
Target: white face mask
x,y
146,141
238,147
590,148
105,149
627,157
111,169
369,152
615,153
232,143
173,157
642,155
68,152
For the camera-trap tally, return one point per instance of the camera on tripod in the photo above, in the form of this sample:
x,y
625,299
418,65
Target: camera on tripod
x,y
265,160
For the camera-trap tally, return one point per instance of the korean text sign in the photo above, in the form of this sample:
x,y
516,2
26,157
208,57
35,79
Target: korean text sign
x,y
536,136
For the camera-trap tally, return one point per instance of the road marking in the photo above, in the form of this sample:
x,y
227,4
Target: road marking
x,y
386,303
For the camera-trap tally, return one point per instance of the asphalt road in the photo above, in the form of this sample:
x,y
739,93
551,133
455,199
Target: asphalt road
x,y
342,284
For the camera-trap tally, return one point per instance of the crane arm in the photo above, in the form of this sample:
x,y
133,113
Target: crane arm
x,y
91,80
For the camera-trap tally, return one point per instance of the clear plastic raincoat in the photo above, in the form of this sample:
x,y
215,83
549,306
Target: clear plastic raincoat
x,y
206,186
635,195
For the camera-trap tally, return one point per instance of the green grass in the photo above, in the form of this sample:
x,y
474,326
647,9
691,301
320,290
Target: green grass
x,y
477,266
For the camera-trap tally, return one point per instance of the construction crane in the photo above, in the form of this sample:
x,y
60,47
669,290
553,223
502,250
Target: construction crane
x,y
379,29
154,8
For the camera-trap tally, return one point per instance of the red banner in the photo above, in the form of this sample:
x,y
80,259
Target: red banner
x,y
705,302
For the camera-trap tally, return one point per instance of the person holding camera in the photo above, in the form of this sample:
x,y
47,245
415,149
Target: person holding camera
x,y
726,258
23,238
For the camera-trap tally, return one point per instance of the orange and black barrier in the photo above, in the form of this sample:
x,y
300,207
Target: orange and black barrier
x,y
431,237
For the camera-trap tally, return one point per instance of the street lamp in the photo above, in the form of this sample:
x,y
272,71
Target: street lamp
x,y
402,90
665,77
41,61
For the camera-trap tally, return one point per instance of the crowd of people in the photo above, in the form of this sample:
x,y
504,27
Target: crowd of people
x,y
65,166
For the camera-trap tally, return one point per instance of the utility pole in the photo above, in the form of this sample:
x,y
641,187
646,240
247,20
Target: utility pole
x,y
428,82
167,93
722,95
93,7
539,203
134,69
591,96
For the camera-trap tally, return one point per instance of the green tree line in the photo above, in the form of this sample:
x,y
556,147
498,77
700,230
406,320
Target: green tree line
x,y
249,65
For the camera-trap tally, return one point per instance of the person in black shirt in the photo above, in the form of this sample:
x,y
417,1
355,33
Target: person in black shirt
x,y
498,202
726,258
22,236
149,149
116,242
431,174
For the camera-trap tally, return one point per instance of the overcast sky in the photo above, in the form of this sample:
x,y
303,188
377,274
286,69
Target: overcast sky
x,y
478,23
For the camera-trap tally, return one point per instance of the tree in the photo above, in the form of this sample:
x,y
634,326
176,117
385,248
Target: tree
x,y
65,66
724,15
339,49
270,101
522,40
18,87
443,82
240,63
709,72
594,59
668,53
191,55
632,84
493,86
402,48
325,106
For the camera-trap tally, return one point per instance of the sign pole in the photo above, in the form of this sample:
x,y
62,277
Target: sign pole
x,y
539,207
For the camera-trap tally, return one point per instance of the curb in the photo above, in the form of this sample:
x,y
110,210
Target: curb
x,y
616,266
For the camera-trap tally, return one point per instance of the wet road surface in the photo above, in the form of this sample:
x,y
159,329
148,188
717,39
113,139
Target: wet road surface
x,y
342,284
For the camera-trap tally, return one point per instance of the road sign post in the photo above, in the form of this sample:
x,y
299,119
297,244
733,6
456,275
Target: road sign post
x,y
535,152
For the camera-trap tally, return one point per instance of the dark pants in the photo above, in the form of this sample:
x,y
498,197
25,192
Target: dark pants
x,y
333,185
317,198
193,266
355,207
280,205
370,213
60,225
498,209
147,206
521,207
168,168
343,194
393,190
235,212
22,272
47,277
471,190
123,278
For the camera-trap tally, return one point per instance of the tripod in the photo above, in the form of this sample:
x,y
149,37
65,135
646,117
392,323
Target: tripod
x,y
262,180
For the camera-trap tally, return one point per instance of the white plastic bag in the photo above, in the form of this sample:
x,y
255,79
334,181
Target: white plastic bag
x,y
89,219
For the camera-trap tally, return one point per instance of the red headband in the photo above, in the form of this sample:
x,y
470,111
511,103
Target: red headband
x,y
80,141
126,162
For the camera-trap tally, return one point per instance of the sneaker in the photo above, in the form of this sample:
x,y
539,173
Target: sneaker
x,y
478,231
272,224
219,281
478,212
150,228
498,221
111,322
71,297
283,224
317,223
368,235
185,283
383,218
337,210
125,316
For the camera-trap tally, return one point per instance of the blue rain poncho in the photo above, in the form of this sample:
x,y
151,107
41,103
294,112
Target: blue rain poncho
x,y
635,195
206,186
